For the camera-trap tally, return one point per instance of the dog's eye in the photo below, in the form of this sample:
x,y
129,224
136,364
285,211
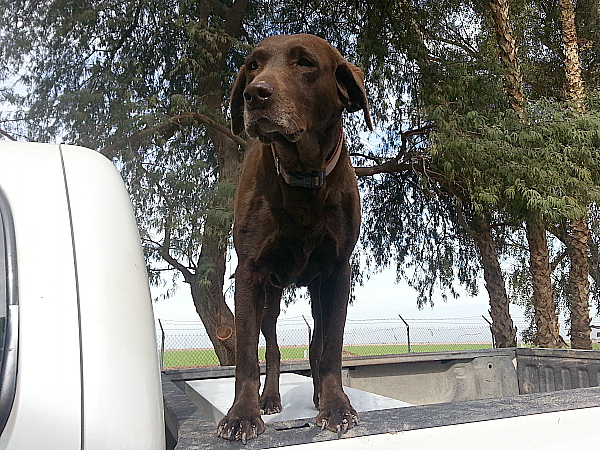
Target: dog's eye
x,y
252,65
304,62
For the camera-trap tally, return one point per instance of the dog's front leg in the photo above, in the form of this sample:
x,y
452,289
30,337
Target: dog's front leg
x,y
316,343
270,399
335,411
243,419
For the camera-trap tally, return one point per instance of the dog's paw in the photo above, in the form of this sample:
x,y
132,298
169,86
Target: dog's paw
x,y
270,403
239,426
338,419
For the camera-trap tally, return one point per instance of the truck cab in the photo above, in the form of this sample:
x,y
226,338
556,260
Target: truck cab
x,y
78,359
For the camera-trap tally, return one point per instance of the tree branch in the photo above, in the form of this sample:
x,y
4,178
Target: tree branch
x,y
554,264
234,17
362,155
394,165
463,222
4,133
471,52
164,252
164,248
390,166
171,125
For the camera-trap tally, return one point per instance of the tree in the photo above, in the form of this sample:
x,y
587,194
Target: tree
x,y
578,236
538,203
147,84
549,173
546,318
443,55
457,170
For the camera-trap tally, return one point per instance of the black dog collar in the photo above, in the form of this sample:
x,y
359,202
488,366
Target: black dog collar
x,y
309,180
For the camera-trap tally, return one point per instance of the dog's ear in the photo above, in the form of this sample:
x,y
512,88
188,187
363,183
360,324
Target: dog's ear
x,y
351,87
236,104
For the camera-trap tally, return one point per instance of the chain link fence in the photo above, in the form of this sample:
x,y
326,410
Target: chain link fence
x,y
186,344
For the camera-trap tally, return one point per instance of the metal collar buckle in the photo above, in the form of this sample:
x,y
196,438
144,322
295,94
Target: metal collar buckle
x,y
307,180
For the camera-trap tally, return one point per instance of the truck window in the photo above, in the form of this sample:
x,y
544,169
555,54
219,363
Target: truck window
x,y
8,312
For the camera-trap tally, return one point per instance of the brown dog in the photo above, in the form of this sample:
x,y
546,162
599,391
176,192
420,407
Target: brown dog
x,y
297,219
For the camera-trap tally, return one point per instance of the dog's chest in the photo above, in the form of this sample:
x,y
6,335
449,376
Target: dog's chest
x,y
296,254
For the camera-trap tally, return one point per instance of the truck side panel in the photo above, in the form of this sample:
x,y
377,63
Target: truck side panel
x,y
118,338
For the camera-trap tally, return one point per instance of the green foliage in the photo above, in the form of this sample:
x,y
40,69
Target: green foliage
x,y
437,62
98,73
546,166
175,188
594,221
416,55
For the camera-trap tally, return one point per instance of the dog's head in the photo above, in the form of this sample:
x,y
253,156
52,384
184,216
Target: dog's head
x,y
290,86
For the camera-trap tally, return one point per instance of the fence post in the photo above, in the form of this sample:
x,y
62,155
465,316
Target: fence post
x,y
162,345
309,331
491,331
407,332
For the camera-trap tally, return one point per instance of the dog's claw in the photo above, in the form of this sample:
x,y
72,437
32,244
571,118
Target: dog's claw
x,y
240,428
323,424
270,404
342,428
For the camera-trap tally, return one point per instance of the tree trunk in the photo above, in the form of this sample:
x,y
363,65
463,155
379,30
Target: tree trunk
x,y
209,279
207,294
574,87
594,260
578,238
210,274
503,330
579,299
546,318
508,55
207,289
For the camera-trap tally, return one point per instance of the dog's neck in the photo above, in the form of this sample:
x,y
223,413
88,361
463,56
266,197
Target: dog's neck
x,y
313,179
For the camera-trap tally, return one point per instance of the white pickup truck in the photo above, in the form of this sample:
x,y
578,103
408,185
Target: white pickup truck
x,y
79,366
78,358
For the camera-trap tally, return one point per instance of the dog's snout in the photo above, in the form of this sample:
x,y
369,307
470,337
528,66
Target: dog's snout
x,y
257,94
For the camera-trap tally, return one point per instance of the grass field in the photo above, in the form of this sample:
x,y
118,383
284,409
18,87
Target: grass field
x,y
174,359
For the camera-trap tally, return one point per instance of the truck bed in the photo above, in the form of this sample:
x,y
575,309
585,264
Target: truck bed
x,y
497,398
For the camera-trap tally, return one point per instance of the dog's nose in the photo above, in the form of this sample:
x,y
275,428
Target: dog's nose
x,y
256,94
